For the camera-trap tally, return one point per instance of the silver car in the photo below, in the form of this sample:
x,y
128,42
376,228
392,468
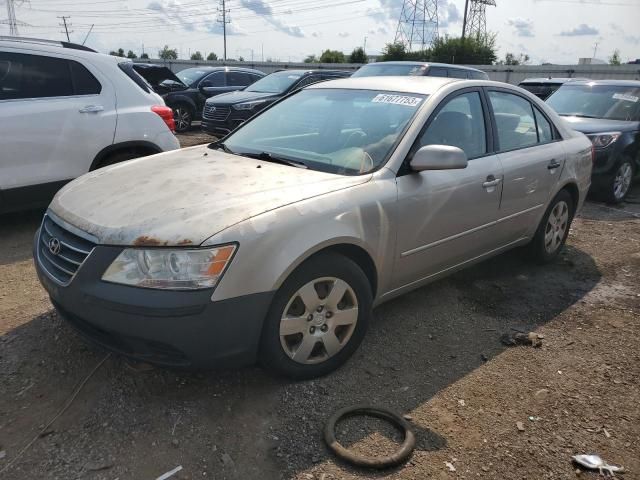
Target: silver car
x,y
276,243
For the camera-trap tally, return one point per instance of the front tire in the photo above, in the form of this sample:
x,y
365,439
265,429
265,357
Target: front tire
x,y
182,116
620,183
553,230
318,318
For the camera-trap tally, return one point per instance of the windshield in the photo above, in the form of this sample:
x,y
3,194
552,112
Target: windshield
x,y
191,75
348,132
611,102
277,82
394,70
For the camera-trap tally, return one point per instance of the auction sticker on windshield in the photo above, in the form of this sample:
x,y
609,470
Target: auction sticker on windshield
x,y
397,99
624,96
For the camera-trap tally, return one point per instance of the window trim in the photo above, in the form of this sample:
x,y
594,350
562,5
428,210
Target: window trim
x,y
488,132
554,131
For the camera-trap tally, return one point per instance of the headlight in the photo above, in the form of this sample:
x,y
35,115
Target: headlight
x,y
247,105
603,140
173,269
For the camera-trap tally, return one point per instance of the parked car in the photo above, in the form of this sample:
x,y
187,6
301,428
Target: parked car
x,y
187,91
608,112
225,112
276,243
429,69
60,119
543,87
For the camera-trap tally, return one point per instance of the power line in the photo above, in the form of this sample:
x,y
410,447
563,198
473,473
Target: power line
x,y
13,23
66,27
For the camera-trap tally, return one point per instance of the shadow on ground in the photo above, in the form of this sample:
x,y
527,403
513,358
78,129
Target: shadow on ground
x,y
246,424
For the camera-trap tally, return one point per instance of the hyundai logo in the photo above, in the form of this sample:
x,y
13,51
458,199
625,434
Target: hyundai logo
x,y
54,246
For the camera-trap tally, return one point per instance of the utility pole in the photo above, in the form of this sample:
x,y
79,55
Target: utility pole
x,y
88,33
595,50
364,48
66,27
224,22
464,22
11,19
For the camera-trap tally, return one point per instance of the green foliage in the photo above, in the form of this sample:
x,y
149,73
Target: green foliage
x,y
394,51
311,59
241,58
131,55
168,54
332,56
144,55
119,53
197,56
615,58
358,56
212,57
466,51
511,59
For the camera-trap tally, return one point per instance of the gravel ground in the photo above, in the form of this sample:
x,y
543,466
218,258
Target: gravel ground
x,y
433,354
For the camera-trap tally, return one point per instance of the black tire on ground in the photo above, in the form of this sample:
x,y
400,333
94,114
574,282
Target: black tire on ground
x,y
272,353
182,116
538,248
120,157
611,194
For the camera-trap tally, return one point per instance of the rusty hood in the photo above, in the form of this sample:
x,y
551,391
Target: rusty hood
x,y
185,196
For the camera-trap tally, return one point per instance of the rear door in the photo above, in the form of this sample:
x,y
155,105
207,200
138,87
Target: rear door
x,y
531,156
56,115
447,217
237,81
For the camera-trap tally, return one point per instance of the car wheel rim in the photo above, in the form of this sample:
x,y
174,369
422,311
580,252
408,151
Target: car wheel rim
x,y
622,181
319,320
556,228
181,117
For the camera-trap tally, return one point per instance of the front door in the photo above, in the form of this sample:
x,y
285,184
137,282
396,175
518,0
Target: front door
x,y
448,217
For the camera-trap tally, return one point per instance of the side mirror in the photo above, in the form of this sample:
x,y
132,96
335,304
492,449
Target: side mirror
x,y
438,157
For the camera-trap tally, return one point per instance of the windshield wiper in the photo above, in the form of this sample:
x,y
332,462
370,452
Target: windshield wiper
x,y
268,157
581,115
220,146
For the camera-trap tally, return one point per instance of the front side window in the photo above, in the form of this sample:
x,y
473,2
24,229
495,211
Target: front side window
x,y
213,80
189,76
347,132
611,102
460,123
514,121
33,76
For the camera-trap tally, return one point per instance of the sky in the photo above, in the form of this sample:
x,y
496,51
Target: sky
x,y
555,31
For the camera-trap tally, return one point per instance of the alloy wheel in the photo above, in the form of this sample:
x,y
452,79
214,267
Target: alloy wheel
x,y
319,320
622,180
182,118
556,227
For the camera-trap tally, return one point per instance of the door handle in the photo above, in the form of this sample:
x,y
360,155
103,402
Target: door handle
x,y
553,164
91,109
491,182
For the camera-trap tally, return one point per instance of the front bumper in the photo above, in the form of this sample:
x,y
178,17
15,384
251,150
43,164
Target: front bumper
x,y
170,328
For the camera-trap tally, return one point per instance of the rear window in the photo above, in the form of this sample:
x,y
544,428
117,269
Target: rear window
x,y
394,70
127,68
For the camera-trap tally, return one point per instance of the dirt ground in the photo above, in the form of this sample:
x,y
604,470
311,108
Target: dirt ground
x,y
433,354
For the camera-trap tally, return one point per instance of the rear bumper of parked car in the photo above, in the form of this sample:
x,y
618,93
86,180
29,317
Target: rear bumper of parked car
x,y
171,328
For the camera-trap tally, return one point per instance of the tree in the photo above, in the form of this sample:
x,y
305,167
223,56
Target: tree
x,y
478,50
131,55
119,53
511,59
615,58
212,57
358,56
311,59
197,56
394,51
332,56
168,54
144,55
241,58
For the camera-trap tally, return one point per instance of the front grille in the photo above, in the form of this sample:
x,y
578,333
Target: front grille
x,y
218,113
61,252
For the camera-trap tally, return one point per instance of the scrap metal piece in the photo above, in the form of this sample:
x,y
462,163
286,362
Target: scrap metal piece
x,y
595,462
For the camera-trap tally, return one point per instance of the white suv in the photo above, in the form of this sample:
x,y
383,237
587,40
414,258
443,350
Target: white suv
x,y
66,110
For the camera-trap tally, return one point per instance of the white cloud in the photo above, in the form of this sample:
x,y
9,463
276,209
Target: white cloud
x,y
581,30
344,34
522,27
262,8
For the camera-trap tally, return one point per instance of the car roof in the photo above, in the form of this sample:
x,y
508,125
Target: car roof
x,y
211,68
620,83
430,64
312,70
408,84
552,80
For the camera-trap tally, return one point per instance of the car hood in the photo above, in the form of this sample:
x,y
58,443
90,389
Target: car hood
x,y
185,196
156,74
241,96
596,125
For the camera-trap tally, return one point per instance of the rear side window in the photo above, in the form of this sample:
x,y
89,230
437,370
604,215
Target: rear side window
x,y
33,76
84,83
514,121
127,68
437,72
545,132
238,79
457,73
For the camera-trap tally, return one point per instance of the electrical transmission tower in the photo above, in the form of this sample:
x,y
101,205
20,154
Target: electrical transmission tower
x,y
11,18
475,18
224,14
418,24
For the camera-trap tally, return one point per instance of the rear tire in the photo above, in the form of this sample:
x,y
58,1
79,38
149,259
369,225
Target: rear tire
x,y
182,116
318,318
553,230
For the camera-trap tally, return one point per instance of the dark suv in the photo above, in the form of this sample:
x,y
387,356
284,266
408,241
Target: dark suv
x,y
186,91
608,112
402,69
225,112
